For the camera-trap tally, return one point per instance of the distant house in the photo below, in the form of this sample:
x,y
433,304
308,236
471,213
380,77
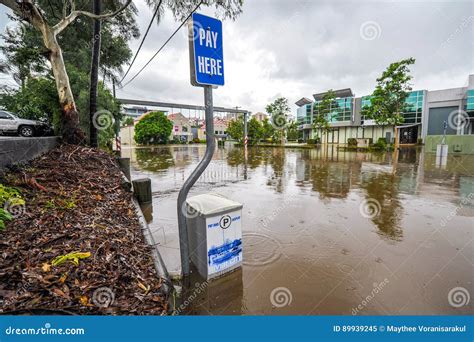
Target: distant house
x,y
181,127
220,128
259,116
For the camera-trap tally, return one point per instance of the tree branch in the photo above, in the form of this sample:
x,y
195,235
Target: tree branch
x,y
74,14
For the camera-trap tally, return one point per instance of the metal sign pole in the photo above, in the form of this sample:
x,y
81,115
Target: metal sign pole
x,y
183,194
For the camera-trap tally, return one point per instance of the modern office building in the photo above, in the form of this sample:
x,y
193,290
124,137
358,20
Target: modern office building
x,y
425,116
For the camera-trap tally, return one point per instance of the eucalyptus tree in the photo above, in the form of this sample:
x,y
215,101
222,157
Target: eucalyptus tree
x,y
51,23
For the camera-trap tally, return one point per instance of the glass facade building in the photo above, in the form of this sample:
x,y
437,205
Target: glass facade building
x,y
303,114
340,110
424,111
470,103
414,107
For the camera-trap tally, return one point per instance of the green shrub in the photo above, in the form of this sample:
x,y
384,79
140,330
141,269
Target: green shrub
x,y
352,142
310,142
155,128
381,144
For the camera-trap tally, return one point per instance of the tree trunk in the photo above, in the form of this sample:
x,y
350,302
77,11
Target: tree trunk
x,y
94,76
70,129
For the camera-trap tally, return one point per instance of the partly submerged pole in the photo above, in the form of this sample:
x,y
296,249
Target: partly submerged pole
x,y
183,193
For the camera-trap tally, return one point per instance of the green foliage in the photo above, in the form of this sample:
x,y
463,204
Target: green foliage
x,y
26,57
268,130
255,131
326,107
128,121
278,111
235,129
181,9
292,132
381,144
154,128
387,102
24,52
352,142
9,197
37,99
311,141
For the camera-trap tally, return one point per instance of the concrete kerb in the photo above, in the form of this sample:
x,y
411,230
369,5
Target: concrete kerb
x,y
157,259
17,150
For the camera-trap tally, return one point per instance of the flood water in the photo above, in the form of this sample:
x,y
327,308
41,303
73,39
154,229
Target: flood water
x,y
328,232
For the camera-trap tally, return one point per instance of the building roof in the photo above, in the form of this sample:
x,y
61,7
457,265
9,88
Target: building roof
x,y
217,121
346,92
259,114
303,101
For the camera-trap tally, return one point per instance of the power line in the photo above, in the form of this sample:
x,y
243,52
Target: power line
x,y
143,40
161,48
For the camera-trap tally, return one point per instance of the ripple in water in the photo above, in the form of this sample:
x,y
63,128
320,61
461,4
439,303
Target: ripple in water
x,y
260,249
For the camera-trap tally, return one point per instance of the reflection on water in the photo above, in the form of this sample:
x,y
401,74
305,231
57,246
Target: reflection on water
x,y
327,225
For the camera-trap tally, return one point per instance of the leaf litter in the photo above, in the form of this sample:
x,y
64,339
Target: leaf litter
x,y
77,235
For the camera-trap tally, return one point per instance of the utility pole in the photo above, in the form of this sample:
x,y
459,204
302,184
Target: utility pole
x,y
94,75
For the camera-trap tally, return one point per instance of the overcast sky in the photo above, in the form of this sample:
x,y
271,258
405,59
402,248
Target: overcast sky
x,y
297,48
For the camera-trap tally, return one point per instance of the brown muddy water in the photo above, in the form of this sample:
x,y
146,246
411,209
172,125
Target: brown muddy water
x,y
327,232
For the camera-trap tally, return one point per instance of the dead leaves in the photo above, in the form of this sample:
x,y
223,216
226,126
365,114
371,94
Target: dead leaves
x,y
81,233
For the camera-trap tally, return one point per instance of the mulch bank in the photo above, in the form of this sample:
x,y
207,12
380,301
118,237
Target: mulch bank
x,y
76,246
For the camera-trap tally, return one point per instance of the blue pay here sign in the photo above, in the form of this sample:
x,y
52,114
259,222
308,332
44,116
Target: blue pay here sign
x,y
206,51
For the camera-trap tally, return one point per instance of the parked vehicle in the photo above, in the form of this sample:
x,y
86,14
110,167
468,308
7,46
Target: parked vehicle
x,y
10,123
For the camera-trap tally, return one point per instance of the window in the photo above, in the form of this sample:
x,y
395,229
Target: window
x,y
340,110
470,102
414,106
5,115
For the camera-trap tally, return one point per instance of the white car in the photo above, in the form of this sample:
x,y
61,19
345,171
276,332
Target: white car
x,y
10,123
